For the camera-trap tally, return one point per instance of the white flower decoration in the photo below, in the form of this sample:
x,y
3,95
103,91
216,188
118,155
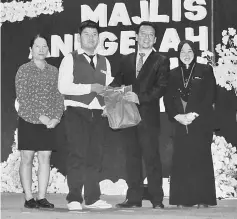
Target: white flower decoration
x,y
225,39
18,10
226,68
231,31
224,161
224,32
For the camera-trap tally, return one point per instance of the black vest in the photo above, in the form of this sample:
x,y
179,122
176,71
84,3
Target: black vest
x,y
84,74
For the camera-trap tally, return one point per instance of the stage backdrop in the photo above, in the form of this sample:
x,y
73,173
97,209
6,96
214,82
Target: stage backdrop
x,y
176,20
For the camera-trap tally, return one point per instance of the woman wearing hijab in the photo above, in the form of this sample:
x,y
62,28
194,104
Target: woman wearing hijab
x,y
189,103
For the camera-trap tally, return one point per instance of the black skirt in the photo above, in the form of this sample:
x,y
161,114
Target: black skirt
x,y
35,137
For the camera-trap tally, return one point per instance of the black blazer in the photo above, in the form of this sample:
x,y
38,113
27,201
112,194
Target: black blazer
x,y
202,95
149,86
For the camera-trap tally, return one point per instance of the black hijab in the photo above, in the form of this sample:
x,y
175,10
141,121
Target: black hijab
x,y
180,46
186,72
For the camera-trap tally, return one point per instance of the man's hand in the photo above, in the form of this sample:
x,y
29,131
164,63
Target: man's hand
x,y
104,113
98,88
131,97
44,119
52,123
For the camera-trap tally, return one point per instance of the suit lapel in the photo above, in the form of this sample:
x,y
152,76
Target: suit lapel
x,y
133,58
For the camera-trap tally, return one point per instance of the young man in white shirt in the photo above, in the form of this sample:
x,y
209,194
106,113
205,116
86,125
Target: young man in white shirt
x,y
83,74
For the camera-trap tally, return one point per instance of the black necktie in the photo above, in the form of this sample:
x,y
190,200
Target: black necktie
x,y
91,60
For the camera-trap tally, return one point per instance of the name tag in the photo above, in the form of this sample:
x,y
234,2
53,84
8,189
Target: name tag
x,y
197,77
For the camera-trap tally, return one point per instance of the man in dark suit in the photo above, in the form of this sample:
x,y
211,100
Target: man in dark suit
x,y
147,72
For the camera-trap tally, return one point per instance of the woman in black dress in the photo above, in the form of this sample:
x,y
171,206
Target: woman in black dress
x,y
189,103
40,110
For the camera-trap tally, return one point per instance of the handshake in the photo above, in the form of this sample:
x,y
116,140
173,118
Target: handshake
x,y
98,88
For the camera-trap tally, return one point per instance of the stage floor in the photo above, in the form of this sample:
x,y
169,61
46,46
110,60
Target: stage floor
x,y
12,207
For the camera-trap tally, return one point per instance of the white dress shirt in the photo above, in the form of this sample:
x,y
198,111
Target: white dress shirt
x,y
67,87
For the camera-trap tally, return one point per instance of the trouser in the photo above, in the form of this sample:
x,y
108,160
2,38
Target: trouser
x,y
85,137
143,142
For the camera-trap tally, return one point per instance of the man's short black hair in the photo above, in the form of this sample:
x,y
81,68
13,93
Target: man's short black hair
x,y
146,23
89,24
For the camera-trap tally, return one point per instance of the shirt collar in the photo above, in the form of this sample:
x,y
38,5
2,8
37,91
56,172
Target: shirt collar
x,y
147,52
81,51
33,64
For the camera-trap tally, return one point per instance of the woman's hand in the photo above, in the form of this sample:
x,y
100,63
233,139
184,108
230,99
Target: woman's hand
x,y
44,119
191,116
52,123
186,119
182,119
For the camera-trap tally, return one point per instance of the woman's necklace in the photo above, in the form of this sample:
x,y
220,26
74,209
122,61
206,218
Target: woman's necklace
x,y
186,82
